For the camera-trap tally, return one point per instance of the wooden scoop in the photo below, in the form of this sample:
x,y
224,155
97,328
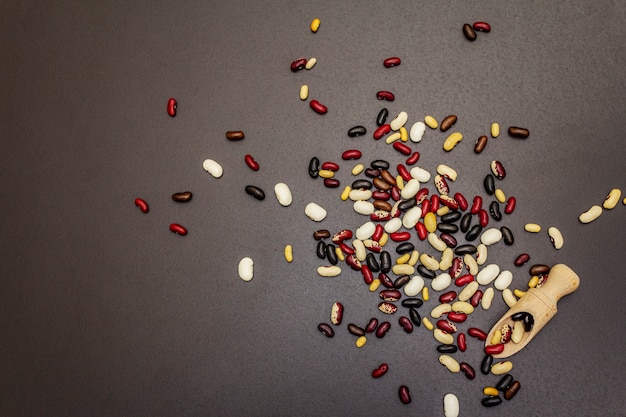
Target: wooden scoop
x,y
541,303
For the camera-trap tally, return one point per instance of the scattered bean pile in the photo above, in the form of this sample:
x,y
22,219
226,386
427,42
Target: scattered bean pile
x,y
420,236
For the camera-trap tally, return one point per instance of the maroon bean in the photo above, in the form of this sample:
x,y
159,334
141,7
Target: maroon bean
x,y
405,395
447,297
406,324
411,160
464,280
510,205
494,349
381,195
456,317
391,62
522,259
461,342
178,229
298,64
368,277
351,154
143,206
475,299
518,132
477,333
446,326
477,205
331,182
390,295
385,280
482,27
461,201
404,173
402,148
171,107
385,95
395,193
467,369
371,325
380,371
318,107
252,164
326,330
382,131
382,329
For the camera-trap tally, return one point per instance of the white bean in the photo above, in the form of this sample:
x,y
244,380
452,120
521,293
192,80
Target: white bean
x,y
555,237
491,236
504,280
246,269
359,249
366,231
315,212
481,254
509,297
414,286
590,215
451,406
328,271
420,174
363,207
411,217
393,225
283,194
357,195
399,120
213,167
446,171
441,282
470,264
488,274
436,242
410,189
417,131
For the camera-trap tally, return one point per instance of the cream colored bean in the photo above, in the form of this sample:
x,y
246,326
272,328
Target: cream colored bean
x,y
491,236
446,259
470,264
414,258
443,210
403,269
487,299
450,363
393,137
441,282
420,174
328,271
410,189
451,406
612,199
359,249
246,269
399,121
481,254
363,207
414,286
469,290
417,131
393,225
462,307
283,194
365,231
504,280
213,168
488,274
431,122
357,169
443,337
304,92
555,237
427,323
315,212
501,368
310,63
495,130
411,217
452,141
532,228
446,171
518,332
509,297
440,310
358,195
436,242
429,262
590,215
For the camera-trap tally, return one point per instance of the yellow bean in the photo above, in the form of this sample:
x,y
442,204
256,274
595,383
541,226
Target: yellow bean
x,y
346,193
289,253
399,182
427,323
315,25
499,194
532,228
495,130
310,63
304,92
532,283
403,259
452,141
357,169
340,254
431,122
415,255
392,138
519,293
383,239
404,134
430,221
360,342
326,173
425,295
374,285
443,210
490,391
495,339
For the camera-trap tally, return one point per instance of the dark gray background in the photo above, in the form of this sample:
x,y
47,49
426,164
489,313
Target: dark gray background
x,y
105,312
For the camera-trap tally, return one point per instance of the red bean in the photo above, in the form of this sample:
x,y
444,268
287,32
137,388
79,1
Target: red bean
x,y
178,229
382,329
456,317
331,166
422,232
382,131
446,326
342,235
318,107
483,217
381,195
475,300
434,203
331,182
461,342
171,107
447,297
380,371
351,154
477,333
385,95
464,280
494,349
298,64
482,27
402,148
378,232
425,207
252,164
395,193
346,249
406,324
510,205
404,173
421,195
400,236
461,200
467,369
477,205
371,325
411,160
405,395
391,62
143,206
449,202
368,277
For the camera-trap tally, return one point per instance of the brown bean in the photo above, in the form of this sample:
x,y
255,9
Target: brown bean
x,y
356,330
518,132
480,145
469,32
512,390
448,122
234,135
182,197
539,269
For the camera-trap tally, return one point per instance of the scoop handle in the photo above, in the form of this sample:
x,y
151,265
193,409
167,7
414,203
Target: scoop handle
x,y
562,280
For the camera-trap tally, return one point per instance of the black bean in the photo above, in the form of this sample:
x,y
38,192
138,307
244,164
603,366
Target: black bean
x,y
494,210
507,235
465,249
372,263
380,164
385,262
447,227
412,302
491,401
331,254
255,192
466,221
361,184
405,247
321,250
489,184
407,204
357,131
382,116
485,364
451,217
425,272
447,349
314,167
504,382
415,316
473,233
401,281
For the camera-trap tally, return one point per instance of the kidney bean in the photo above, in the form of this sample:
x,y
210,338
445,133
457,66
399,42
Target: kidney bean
x,y
447,122
385,95
507,236
402,148
482,27
380,371
326,330
411,160
461,342
178,229
400,236
385,262
252,164
331,182
318,107
447,297
298,64
403,172
475,299
483,217
234,135
469,33
447,349
467,370
371,325
512,390
494,210
401,281
406,324
351,154
314,167
357,131
171,107
456,317
518,132
480,144
485,364
446,326
477,333
382,116
510,205
391,62
476,205
382,131
143,206
255,192
382,329
489,184
539,269
405,395
494,349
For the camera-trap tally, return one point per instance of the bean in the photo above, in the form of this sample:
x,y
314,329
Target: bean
x,y
415,156
491,401
512,390
255,192
298,64
499,194
466,221
357,131
252,164
360,342
385,261
469,33
448,122
509,297
381,119
314,167
482,27
532,228
380,371
318,107
336,313
405,395
447,349
480,144
539,269
304,92
315,25
246,268
507,236
422,232
462,343
498,169
590,215
440,310
372,263
310,63
356,330
510,205
331,183
143,206
467,370
289,253
331,254
213,168
465,249
489,184
385,95
451,141
476,298
351,154
481,254
446,326
468,291
450,363
427,322
178,229
234,135
171,107
492,391
456,317
555,237
371,325
401,281
477,333
473,233
387,308
325,329
518,132
406,324
612,199
405,248
501,367
425,272
315,212
391,62
476,205
494,349
447,297
382,329
328,271
415,317
451,405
